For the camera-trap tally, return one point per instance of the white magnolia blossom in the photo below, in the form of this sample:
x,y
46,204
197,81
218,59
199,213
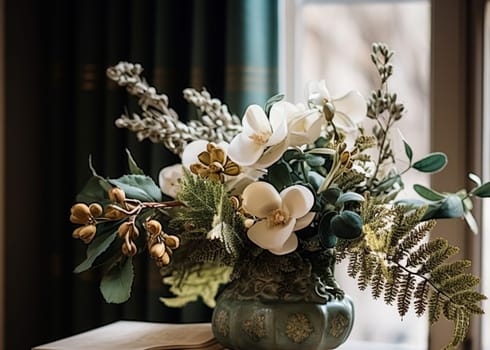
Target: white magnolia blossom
x,y
169,179
348,110
279,215
262,141
304,125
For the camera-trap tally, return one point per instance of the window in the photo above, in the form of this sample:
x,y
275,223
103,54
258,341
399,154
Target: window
x,y
334,37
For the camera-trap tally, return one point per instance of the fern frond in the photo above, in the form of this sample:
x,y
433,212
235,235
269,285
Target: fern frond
x,y
420,297
405,293
377,282
423,252
446,271
435,306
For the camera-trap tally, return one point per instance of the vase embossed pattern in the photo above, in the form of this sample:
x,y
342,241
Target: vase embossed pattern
x,y
284,302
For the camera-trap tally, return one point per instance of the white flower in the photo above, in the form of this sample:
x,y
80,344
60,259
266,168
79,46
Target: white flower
x,y
304,125
278,215
346,111
169,179
262,141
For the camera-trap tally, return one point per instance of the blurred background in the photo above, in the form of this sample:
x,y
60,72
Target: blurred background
x,y
57,107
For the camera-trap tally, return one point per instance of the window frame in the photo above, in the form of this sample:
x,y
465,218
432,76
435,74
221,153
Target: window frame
x,y
456,87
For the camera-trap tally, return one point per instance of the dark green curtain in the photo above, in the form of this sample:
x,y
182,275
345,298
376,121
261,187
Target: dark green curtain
x,y
61,109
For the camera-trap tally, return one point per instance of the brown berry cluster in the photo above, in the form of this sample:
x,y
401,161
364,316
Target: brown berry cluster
x,y
85,215
128,232
116,195
160,244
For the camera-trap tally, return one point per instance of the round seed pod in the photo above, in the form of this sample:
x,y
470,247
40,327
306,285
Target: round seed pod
x,y
129,250
347,225
117,195
123,229
78,220
165,259
172,242
114,214
80,210
157,250
153,227
95,209
76,232
87,233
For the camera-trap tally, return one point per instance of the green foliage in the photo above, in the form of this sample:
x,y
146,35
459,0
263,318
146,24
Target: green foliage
x,y
117,281
99,245
133,167
202,281
140,187
410,269
209,214
431,163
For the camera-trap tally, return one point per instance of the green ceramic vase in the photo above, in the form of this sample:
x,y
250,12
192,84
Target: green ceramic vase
x,y
286,306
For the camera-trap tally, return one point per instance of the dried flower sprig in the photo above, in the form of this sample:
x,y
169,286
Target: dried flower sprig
x,y
161,124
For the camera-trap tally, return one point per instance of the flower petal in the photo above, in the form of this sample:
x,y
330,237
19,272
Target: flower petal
x,y
288,247
271,155
192,151
256,120
353,105
260,199
343,122
317,92
298,200
270,237
304,221
244,151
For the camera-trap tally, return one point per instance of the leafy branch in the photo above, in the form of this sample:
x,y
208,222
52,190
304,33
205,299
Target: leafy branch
x,y
401,262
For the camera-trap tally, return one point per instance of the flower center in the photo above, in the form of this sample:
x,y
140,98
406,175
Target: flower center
x,y
260,138
278,217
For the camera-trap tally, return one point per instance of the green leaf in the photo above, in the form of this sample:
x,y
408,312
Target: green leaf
x,y
99,245
475,178
279,175
116,283
139,187
95,190
408,151
347,225
133,167
450,207
431,163
348,197
483,190
314,161
428,193
271,101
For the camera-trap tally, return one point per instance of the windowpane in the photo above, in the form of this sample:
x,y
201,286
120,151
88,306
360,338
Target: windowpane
x,y
336,42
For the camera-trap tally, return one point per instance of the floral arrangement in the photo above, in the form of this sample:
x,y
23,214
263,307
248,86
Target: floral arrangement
x,y
290,187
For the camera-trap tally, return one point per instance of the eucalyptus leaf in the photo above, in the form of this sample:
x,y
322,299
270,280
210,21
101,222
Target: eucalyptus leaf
x,y
293,154
471,222
139,187
327,237
408,151
133,167
270,102
315,179
314,161
431,163
450,207
475,178
428,193
349,197
482,190
101,242
279,175
116,283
